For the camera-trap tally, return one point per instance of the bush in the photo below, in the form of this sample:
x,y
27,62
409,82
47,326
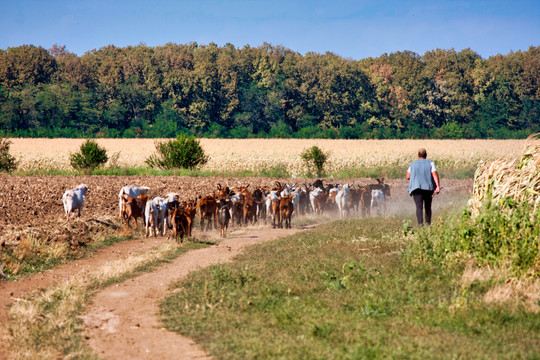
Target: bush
x,y
7,161
315,159
90,157
185,152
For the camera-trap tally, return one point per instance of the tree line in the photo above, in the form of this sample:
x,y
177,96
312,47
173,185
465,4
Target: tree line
x,y
266,91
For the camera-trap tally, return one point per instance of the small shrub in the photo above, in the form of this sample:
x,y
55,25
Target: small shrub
x,y
314,159
7,161
276,171
185,152
90,157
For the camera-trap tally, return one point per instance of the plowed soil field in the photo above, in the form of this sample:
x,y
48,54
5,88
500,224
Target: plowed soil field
x,y
32,205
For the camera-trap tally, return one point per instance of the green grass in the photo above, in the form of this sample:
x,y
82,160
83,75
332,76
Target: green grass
x,y
344,291
278,171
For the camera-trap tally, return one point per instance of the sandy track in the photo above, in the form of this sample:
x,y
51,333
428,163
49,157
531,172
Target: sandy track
x,y
11,291
123,320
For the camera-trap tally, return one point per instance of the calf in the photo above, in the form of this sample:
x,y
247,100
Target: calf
x,y
224,216
190,208
134,208
286,209
249,210
342,200
303,202
318,200
237,206
177,222
73,200
155,216
260,199
208,209
378,202
129,190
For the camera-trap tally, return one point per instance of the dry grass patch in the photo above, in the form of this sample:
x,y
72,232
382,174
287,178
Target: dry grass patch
x,y
518,179
516,293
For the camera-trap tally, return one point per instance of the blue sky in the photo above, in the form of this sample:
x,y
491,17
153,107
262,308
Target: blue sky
x,y
352,29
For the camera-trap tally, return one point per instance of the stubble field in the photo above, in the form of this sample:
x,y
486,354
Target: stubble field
x,y
237,155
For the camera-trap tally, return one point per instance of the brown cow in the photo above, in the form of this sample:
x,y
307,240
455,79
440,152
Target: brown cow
x,y
319,202
134,208
276,215
224,216
208,210
286,209
181,219
190,208
249,210
223,192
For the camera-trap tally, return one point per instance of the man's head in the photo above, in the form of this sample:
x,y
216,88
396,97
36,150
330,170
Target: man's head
x,y
422,153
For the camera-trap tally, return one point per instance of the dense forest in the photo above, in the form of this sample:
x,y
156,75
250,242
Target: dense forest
x,y
266,91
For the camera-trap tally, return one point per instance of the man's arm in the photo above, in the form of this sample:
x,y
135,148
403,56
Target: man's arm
x,y
436,178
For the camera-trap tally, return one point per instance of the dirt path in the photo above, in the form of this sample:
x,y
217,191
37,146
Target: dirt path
x,y
11,291
123,323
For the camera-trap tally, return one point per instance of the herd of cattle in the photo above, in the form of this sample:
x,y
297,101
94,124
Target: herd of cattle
x,y
169,215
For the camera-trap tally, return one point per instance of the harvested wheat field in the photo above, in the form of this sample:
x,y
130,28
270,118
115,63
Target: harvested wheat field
x,y
229,155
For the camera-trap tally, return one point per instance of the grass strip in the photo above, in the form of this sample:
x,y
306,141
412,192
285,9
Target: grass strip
x,y
450,171
344,291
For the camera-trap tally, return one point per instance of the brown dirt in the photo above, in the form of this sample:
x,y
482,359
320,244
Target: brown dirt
x,y
123,320
121,323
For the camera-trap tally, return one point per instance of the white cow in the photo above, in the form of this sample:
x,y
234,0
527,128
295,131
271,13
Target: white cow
x,y
296,201
73,200
312,195
155,216
272,195
378,202
342,200
129,190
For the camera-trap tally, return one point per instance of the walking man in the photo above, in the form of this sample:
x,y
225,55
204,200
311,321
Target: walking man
x,y
423,183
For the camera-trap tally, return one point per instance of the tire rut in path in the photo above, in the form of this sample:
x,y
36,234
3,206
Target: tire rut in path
x,y
123,320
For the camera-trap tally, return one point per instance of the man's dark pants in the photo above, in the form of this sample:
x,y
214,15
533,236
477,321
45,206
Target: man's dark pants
x,y
422,199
